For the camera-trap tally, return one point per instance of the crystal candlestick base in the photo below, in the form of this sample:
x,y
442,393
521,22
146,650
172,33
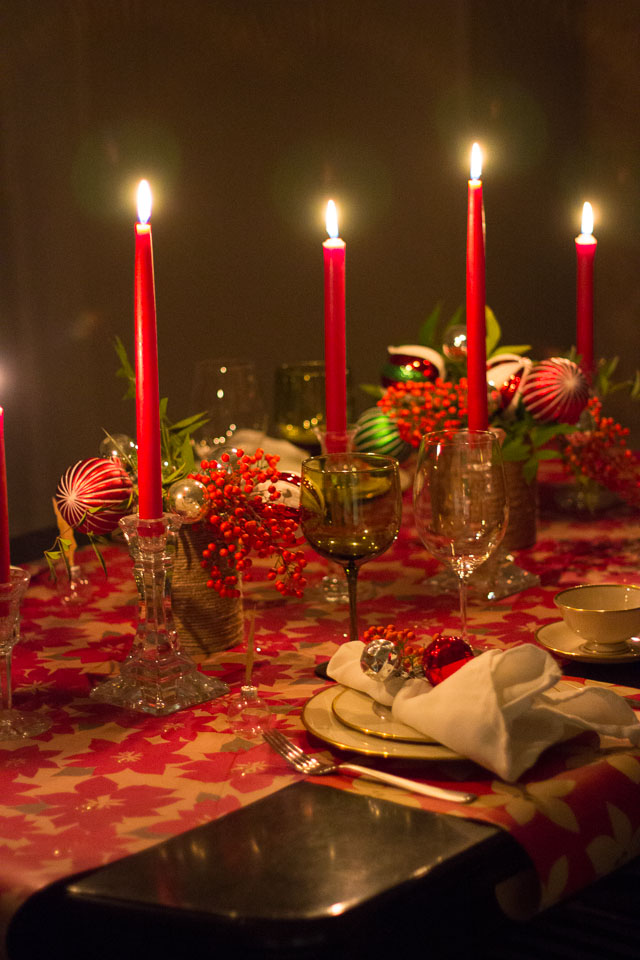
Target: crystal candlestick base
x,y
14,724
156,677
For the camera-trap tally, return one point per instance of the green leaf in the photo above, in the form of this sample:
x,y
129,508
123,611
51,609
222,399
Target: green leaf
x,y
515,450
493,330
530,469
519,349
95,543
372,390
190,423
126,371
428,330
548,454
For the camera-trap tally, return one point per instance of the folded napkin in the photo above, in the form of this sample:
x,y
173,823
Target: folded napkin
x,y
500,709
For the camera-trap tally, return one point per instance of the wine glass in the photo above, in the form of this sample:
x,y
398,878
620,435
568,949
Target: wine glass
x,y
229,393
14,725
460,501
350,511
298,402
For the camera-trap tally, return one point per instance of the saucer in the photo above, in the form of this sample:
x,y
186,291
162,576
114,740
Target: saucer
x,y
558,638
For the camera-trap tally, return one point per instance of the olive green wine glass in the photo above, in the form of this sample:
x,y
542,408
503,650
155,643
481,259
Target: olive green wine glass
x,y
350,511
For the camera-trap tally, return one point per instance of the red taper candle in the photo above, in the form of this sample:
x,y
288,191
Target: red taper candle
x,y
476,326
146,350
5,561
585,253
335,350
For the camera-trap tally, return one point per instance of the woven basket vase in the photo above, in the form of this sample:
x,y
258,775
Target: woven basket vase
x,y
522,528
205,621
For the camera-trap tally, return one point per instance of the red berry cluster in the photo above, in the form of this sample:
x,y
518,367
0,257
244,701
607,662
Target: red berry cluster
x,y
420,407
246,516
410,653
601,454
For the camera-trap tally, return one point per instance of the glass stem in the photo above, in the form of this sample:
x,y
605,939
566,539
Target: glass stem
x,y
463,605
5,680
352,583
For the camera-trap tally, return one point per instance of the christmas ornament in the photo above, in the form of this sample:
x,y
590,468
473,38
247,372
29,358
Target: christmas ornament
x,y
188,500
412,362
454,346
506,375
93,495
118,446
556,391
379,659
391,653
377,433
444,656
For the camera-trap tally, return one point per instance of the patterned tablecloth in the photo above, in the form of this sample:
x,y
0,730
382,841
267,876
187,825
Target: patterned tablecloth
x,y
101,784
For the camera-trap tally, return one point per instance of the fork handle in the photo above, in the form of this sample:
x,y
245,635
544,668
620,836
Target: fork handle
x,y
440,793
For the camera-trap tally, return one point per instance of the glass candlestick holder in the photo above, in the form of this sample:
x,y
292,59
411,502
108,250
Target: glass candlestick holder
x,y
156,677
14,724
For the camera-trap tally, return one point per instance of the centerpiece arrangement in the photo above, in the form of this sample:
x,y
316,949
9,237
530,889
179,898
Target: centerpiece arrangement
x,y
544,410
230,510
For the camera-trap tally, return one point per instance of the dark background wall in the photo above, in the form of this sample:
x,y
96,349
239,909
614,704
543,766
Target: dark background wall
x,y
246,115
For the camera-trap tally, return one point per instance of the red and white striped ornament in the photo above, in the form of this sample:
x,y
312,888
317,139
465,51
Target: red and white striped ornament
x,y
94,485
556,391
506,375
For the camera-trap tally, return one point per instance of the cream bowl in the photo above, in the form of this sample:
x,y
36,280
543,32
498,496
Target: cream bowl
x,y
605,615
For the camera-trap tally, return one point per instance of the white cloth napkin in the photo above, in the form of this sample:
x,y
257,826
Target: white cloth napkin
x,y
499,709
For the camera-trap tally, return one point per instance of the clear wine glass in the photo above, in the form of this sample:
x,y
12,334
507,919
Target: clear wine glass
x,y
247,712
229,393
14,724
460,501
350,511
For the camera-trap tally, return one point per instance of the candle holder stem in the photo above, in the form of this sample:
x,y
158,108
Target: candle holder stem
x,y
156,677
14,724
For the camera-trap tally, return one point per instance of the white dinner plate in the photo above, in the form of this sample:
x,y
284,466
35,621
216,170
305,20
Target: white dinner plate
x,y
319,719
558,638
360,712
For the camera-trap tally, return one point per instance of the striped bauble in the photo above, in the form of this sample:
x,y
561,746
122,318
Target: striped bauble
x,y
411,362
377,433
555,391
93,495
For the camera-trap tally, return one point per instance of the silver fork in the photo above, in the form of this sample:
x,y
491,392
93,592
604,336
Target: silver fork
x,y
311,766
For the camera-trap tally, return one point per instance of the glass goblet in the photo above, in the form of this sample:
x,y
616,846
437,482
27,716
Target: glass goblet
x,y
350,511
460,501
229,393
298,403
14,724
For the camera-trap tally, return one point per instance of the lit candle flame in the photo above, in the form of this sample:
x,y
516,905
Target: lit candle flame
x,y
587,219
332,220
144,201
476,162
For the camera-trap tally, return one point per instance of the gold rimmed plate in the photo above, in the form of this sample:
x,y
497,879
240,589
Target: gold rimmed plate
x,y
558,638
358,711
320,720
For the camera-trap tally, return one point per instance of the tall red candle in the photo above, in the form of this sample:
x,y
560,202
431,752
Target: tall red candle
x,y
146,363
335,350
585,252
5,562
476,325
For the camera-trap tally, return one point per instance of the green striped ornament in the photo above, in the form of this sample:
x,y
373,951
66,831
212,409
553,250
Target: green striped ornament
x,y
377,433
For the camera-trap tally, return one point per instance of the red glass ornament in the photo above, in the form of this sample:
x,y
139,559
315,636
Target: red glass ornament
x,y
444,656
